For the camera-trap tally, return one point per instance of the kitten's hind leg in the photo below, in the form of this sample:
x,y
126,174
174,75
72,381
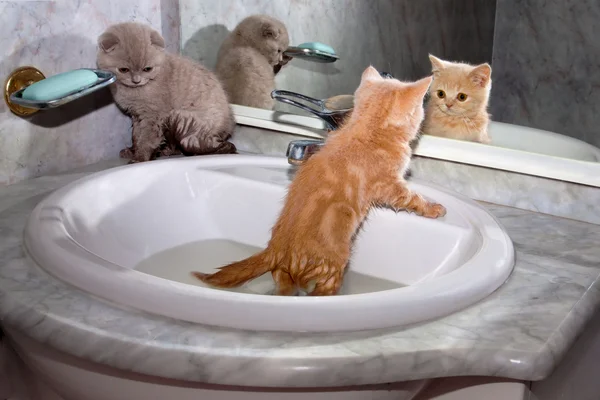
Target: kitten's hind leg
x,y
197,135
328,285
284,284
399,197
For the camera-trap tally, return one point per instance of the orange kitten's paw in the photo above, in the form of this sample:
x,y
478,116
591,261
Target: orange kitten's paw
x,y
434,210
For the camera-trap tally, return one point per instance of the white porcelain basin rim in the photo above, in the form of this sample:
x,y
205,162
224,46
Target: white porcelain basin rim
x,y
50,245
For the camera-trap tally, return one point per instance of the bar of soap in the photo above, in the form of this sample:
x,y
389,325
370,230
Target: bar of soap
x,y
60,85
317,46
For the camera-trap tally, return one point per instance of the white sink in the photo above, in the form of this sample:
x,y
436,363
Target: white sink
x,y
131,235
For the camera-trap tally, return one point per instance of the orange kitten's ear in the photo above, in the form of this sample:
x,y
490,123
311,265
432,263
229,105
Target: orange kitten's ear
x,y
269,31
370,74
480,76
436,64
108,41
157,40
419,88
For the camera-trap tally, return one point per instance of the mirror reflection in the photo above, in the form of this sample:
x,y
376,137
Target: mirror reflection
x,y
307,58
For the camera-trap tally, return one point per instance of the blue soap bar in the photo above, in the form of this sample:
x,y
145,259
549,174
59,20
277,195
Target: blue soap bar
x,y
60,85
317,46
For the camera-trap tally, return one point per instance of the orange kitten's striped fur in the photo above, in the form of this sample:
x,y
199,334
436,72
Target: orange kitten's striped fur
x,y
357,168
457,107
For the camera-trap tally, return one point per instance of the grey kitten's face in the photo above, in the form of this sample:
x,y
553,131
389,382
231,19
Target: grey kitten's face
x,y
136,74
270,36
274,48
134,53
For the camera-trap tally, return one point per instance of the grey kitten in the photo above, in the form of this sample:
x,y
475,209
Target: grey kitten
x,y
250,57
176,105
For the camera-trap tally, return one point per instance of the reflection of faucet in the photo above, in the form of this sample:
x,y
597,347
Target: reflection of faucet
x,y
332,110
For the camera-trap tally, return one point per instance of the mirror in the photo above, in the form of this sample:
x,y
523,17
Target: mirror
x,y
396,37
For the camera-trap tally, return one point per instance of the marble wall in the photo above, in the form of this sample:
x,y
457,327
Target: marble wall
x,y
56,36
392,35
546,62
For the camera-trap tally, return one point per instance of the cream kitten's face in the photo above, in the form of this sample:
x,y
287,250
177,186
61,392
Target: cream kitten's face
x,y
459,89
134,53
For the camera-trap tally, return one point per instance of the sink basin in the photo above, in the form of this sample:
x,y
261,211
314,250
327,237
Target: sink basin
x,y
131,235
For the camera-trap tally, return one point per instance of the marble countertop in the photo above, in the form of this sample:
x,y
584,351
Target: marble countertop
x,y
521,331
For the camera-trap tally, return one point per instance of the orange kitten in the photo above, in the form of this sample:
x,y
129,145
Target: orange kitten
x,y
357,168
458,101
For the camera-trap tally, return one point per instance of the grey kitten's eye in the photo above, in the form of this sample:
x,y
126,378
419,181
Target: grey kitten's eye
x,y
123,70
148,69
441,94
279,51
461,97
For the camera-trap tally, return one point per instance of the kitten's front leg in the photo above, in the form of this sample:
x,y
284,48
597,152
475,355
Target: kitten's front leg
x,y
285,59
127,152
147,139
484,138
399,197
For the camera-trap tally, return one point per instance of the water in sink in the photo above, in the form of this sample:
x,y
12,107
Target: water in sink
x,y
177,263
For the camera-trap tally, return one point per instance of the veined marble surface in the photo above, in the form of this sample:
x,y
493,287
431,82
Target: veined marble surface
x,y
520,331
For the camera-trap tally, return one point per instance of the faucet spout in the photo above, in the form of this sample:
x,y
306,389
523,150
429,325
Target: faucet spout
x,y
299,151
332,111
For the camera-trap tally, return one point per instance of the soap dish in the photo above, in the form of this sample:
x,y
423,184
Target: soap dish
x,y
105,78
312,51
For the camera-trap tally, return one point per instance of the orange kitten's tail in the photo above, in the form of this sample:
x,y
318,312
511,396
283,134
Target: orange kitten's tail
x,y
237,273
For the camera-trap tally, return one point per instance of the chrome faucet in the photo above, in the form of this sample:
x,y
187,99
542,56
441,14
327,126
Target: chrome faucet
x,y
299,151
332,111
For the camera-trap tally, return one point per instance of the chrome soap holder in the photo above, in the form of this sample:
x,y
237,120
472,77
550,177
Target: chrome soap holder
x,y
23,77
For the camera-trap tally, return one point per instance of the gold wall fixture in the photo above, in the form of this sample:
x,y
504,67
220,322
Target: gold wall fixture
x,y
19,79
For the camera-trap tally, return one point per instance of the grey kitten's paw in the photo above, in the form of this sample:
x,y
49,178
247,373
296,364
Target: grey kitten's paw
x,y
170,151
126,153
226,148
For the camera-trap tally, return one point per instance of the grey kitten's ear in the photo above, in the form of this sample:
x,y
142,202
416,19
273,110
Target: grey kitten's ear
x,y
157,40
269,30
108,41
481,75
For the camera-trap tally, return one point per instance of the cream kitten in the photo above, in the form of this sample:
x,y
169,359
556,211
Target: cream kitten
x,y
176,105
457,106
250,57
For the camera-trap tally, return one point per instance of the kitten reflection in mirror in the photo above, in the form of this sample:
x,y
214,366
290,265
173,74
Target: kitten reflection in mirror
x,y
176,105
250,57
458,101
359,167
